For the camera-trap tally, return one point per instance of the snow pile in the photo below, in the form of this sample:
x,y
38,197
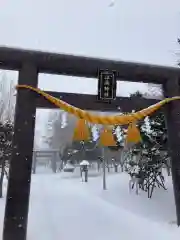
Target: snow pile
x,y
69,209
160,209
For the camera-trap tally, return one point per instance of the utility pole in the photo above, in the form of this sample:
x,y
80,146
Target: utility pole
x,y
104,170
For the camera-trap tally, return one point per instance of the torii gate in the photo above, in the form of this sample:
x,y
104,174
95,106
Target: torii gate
x,y
29,64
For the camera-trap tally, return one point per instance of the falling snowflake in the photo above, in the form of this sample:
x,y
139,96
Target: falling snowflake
x,y
112,3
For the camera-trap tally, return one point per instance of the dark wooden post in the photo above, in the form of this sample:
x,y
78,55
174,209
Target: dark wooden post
x,y
171,88
17,202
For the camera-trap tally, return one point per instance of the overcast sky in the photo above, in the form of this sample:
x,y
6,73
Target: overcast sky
x,y
132,30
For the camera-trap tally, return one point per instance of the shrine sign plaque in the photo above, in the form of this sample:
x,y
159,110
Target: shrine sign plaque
x,y
107,85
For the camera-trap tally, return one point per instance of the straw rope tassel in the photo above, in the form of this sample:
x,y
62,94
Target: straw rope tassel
x,y
81,131
133,134
104,120
107,138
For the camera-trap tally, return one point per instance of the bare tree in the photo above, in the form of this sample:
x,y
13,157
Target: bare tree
x,y
59,133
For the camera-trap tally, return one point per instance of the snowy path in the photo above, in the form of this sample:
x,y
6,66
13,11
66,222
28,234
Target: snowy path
x,y
67,209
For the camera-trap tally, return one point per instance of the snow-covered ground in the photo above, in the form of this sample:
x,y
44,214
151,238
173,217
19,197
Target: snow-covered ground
x,y
65,208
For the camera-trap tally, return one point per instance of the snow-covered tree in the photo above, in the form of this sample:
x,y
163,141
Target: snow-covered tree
x,y
7,107
6,134
151,154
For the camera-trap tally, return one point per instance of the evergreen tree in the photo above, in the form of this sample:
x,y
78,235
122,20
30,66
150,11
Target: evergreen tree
x,y
154,139
153,131
151,153
6,134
